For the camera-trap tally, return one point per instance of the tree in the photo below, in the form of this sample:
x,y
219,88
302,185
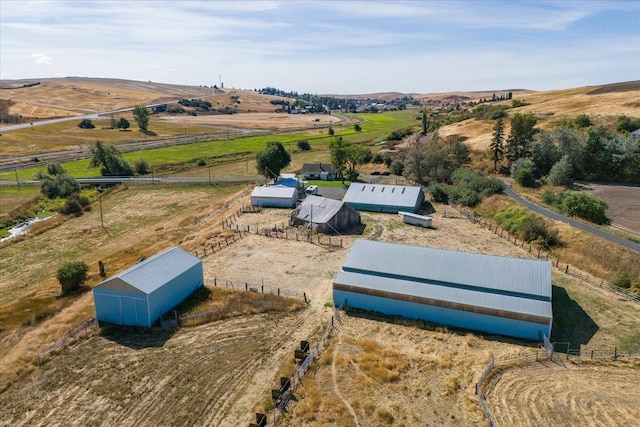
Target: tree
x,y
497,144
122,123
331,131
141,115
562,173
357,127
520,137
56,183
72,276
110,160
586,207
86,124
356,155
544,153
597,156
425,122
338,150
271,160
522,172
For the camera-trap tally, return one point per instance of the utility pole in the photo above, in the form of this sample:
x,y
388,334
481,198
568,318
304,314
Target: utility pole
x,y
209,175
17,182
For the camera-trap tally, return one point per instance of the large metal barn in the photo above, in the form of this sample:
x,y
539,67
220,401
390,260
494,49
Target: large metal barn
x,y
384,198
140,295
487,293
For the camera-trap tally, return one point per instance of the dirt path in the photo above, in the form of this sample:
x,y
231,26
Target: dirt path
x,y
336,388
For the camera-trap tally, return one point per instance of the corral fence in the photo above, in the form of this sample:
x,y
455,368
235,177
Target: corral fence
x,y
281,231
541,254
549,351
288,385
80,331
261,288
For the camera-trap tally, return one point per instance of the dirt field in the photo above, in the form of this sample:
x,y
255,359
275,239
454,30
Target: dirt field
x,y
266,121
564,395
374,372
624,204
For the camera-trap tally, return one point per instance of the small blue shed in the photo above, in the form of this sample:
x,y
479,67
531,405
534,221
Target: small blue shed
x,y
140,295
488,293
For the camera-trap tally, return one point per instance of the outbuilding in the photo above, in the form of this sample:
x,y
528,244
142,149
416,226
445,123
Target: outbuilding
x,y
384,198
140,295
323,171
325,215
415,219
488,293
274,196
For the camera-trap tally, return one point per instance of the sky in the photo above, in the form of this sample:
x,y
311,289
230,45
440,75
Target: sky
x,y
327,47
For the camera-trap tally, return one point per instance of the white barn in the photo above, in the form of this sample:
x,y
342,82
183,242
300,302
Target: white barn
x,y
274,197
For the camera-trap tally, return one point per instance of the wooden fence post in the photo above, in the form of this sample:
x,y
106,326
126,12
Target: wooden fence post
x,y
566,270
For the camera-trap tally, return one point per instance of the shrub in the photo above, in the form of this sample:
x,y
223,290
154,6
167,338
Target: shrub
x,y
387,160
586,207
583,121
623,279
397,167
201,163
522,172
122,123
527,226
72,276
59,186
377,158
438,194
515,103
141,167
562,173
74,205
86,124
304,145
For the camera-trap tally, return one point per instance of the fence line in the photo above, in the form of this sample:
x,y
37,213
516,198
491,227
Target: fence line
x,y
261,288
483,401
296,379
540,254
83,327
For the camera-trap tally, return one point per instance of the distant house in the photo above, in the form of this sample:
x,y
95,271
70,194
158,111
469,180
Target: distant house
x,y
323,171
274,196
141,294
384,198
635,134
325,215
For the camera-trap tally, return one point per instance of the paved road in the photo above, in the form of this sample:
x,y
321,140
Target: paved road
x,y
580,225
146,180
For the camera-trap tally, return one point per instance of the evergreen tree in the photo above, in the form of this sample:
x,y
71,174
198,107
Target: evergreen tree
x,y
497,144
520,137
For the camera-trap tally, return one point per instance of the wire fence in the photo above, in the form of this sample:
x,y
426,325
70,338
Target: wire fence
x,y
541,254
243,285
80,331
280,404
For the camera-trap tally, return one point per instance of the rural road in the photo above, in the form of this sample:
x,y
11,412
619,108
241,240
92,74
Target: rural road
x,y
580,225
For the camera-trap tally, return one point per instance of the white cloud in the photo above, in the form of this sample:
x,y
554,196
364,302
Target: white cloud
x,y
40,58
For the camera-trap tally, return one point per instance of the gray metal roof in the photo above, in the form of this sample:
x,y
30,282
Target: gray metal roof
x,y
494,302
378,194
154,272
453,269
318,209
274,192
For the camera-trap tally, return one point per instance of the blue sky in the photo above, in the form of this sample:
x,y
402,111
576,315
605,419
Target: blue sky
x,y
327,47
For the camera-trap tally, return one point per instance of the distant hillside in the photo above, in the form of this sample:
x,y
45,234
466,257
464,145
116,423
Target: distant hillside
x,y
603,104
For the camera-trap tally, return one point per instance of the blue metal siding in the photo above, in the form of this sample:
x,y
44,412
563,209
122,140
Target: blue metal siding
x,y
444,316
121,308
174,291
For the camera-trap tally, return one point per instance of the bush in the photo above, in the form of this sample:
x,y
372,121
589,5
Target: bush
x,y
522,172
583,121
469,186
377,158
515,103
74,205
122,123
387,160
59,186
201,163
141,167
438,194
72,276
304,145
623,279
562,173
586,207
86,124
397,167
528,227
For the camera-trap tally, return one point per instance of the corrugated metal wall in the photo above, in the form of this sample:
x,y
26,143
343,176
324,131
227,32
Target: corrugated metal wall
x,y
443,316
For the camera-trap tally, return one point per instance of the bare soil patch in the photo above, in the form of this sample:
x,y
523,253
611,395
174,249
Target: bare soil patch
x,y
266,121
624,204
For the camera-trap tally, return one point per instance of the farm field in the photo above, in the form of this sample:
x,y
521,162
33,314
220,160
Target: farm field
x,y
221,373
624,204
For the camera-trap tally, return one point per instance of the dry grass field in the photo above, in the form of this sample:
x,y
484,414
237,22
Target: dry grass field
x,y
602,104
375,371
